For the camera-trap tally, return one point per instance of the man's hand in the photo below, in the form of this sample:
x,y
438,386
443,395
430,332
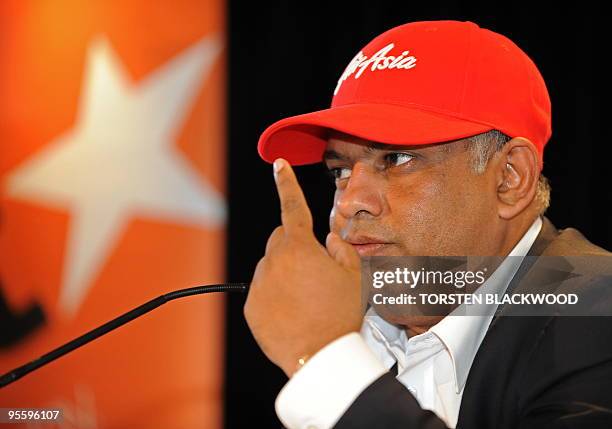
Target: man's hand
x,y
303,295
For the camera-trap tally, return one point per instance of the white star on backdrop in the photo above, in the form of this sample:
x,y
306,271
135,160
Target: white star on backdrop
x,y
119,160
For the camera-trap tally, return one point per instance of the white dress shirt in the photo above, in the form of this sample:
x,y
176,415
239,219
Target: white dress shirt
x,y
433,365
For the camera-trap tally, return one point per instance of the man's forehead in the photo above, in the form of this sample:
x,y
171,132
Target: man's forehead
x,y
339,141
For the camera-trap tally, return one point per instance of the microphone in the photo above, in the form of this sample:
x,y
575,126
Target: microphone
x,y
19,372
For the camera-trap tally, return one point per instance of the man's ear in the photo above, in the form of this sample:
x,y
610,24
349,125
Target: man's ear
x,y
517,172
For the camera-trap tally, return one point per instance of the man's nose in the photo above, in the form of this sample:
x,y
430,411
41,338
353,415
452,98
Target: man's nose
x,y
363,195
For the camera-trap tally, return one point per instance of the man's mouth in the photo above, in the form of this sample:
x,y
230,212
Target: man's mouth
x,y
367,246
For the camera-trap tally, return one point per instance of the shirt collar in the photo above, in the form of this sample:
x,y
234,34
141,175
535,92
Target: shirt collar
x,y
461,335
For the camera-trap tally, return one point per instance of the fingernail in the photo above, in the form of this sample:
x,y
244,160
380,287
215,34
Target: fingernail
x,y
277,166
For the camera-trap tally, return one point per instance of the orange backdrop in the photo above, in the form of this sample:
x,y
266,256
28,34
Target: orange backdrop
x,y
112,192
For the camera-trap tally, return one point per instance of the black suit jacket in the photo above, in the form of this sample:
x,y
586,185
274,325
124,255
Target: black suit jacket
x,y
530,372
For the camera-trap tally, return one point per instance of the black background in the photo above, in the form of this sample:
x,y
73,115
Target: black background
x,y
285,59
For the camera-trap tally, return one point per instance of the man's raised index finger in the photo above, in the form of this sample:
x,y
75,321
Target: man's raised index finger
x,y
295,213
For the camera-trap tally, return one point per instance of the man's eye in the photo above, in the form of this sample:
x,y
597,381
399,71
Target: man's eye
x,y
394,159
340,173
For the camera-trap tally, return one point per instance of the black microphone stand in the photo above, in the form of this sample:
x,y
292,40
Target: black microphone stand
x,y
19,372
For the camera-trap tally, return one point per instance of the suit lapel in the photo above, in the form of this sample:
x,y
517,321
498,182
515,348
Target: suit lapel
x,y
548,233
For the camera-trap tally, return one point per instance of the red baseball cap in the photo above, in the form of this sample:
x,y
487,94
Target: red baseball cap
x,y
420,83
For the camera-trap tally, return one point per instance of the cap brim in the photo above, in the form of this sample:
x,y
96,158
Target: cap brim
x,y
302,139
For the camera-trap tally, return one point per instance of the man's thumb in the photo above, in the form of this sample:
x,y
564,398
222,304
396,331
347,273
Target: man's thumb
x,y
342,252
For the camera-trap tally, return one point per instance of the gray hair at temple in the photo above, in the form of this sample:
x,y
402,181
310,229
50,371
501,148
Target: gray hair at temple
x,y
483,146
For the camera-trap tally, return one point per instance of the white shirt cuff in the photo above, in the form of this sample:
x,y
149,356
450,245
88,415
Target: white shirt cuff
x,y
323,389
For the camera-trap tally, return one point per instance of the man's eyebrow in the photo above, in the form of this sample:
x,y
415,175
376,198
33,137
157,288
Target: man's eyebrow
x,y
369,148
332,154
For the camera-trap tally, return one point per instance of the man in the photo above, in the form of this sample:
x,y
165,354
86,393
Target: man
x,y
435,139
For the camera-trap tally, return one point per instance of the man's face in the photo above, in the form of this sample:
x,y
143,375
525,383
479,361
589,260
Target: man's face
x,y
410,200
